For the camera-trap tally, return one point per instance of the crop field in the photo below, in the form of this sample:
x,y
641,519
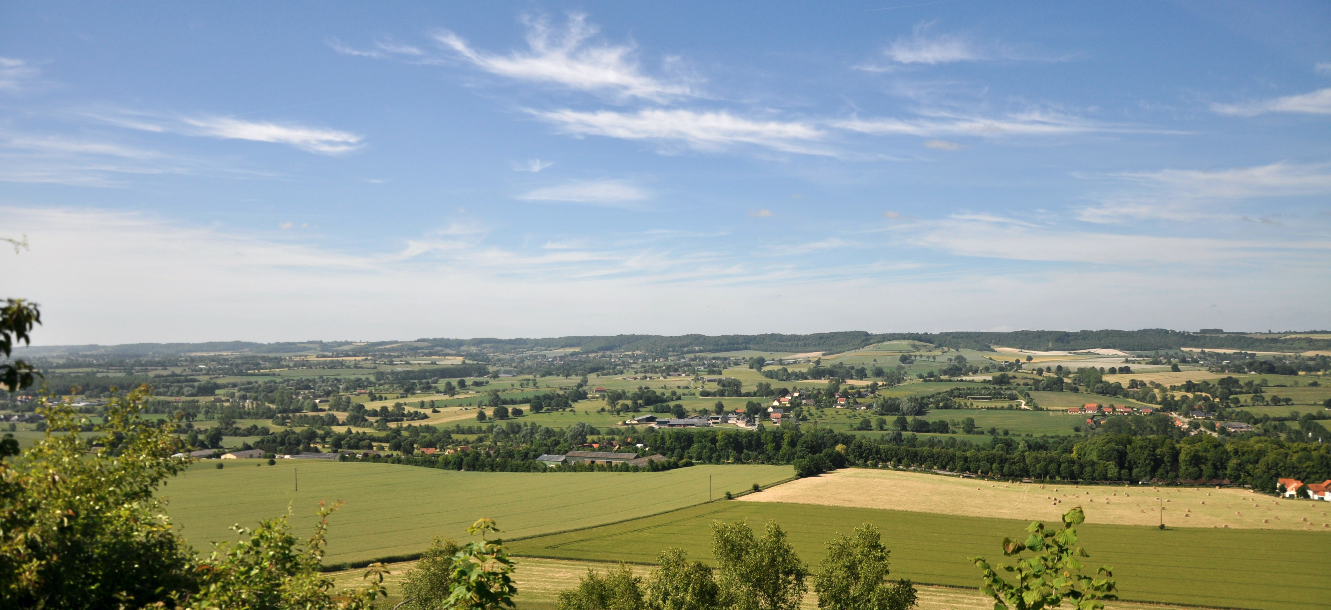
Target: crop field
x,y
539,582
1065,400
1276,570
394,510
1118,505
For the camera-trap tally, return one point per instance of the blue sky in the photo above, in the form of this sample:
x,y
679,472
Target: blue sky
x,y
187,171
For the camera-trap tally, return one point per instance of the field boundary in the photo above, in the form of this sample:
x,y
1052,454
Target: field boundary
x,y
352,565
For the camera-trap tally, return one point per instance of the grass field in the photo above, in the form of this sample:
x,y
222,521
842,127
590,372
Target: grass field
x,y
1119,505
539,582
1277,570
396,510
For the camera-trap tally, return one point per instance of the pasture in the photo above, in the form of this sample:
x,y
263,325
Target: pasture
x,y
1118,505
1275,570
394,510
539,582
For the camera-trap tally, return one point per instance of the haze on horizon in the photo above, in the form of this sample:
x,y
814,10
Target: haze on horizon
x,y
192,173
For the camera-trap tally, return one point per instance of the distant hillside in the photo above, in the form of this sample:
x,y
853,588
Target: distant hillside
x,y
835,342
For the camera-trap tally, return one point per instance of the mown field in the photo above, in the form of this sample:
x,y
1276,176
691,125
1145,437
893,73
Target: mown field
x,y
396,510
1113,504
1277,570
539,582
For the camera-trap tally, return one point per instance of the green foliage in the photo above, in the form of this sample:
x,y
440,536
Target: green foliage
x,y
269,572
757,573
618,589
853,576
680,584
17,319
482,572
428,584
80,530
1051,575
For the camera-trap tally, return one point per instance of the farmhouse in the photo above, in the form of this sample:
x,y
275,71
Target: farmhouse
x,y
598,457
202,453
1291,487
777,414
1320,491
247,454
551,460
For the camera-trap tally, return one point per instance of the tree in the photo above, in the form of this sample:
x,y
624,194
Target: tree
x,y
680,584
480,415
720,407
1051,575
968,425
268,572
901,423
81,530
678,411
17,319
864,425
757,363
618,589
430,582
501,412
757,573
1174,368
482,572
854,575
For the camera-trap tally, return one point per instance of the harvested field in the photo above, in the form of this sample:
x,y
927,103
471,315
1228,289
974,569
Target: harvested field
x,y
1135,505
539,582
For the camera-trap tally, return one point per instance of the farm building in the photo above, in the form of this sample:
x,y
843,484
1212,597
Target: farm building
x,y
202,453
1234,426
692,422
551,460
1291,487
311,456
248,454
642,419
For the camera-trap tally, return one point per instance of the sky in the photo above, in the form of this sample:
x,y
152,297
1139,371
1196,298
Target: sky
x,y
368,171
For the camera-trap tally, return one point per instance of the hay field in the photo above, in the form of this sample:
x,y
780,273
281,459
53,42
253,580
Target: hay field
x,y
396,510
1237,568
1120,505
539,582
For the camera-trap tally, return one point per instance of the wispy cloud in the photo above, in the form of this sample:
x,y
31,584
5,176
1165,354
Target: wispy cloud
x,y
310,139
763,213
943,145
699,130
534,166
569,58
1322,68
1184,194
1317,102
606,193
17,75
921,48
939,123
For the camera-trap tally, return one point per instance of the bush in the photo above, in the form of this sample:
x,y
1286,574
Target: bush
x,y
730,496
272,462
219,465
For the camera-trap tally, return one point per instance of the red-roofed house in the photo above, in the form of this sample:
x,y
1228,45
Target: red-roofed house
x,y
1074,410
1291,487
1090,408
1320,491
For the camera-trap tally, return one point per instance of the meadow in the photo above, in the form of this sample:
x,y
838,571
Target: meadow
x,y
1275,570
394,510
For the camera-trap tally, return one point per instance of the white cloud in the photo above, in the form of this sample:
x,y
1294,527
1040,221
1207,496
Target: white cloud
x,y
763,213
251,277
16,75
567,58
923,49
1182,195
534,166
1323,68
1002,238
943,145
609,193
1317,102
699,130
310,139
938,123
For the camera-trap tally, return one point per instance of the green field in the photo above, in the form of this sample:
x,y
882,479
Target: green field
x,y
1262,569
395,510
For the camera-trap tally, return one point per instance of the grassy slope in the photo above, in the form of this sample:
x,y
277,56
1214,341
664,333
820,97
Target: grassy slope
x,y
1236,568
395,510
